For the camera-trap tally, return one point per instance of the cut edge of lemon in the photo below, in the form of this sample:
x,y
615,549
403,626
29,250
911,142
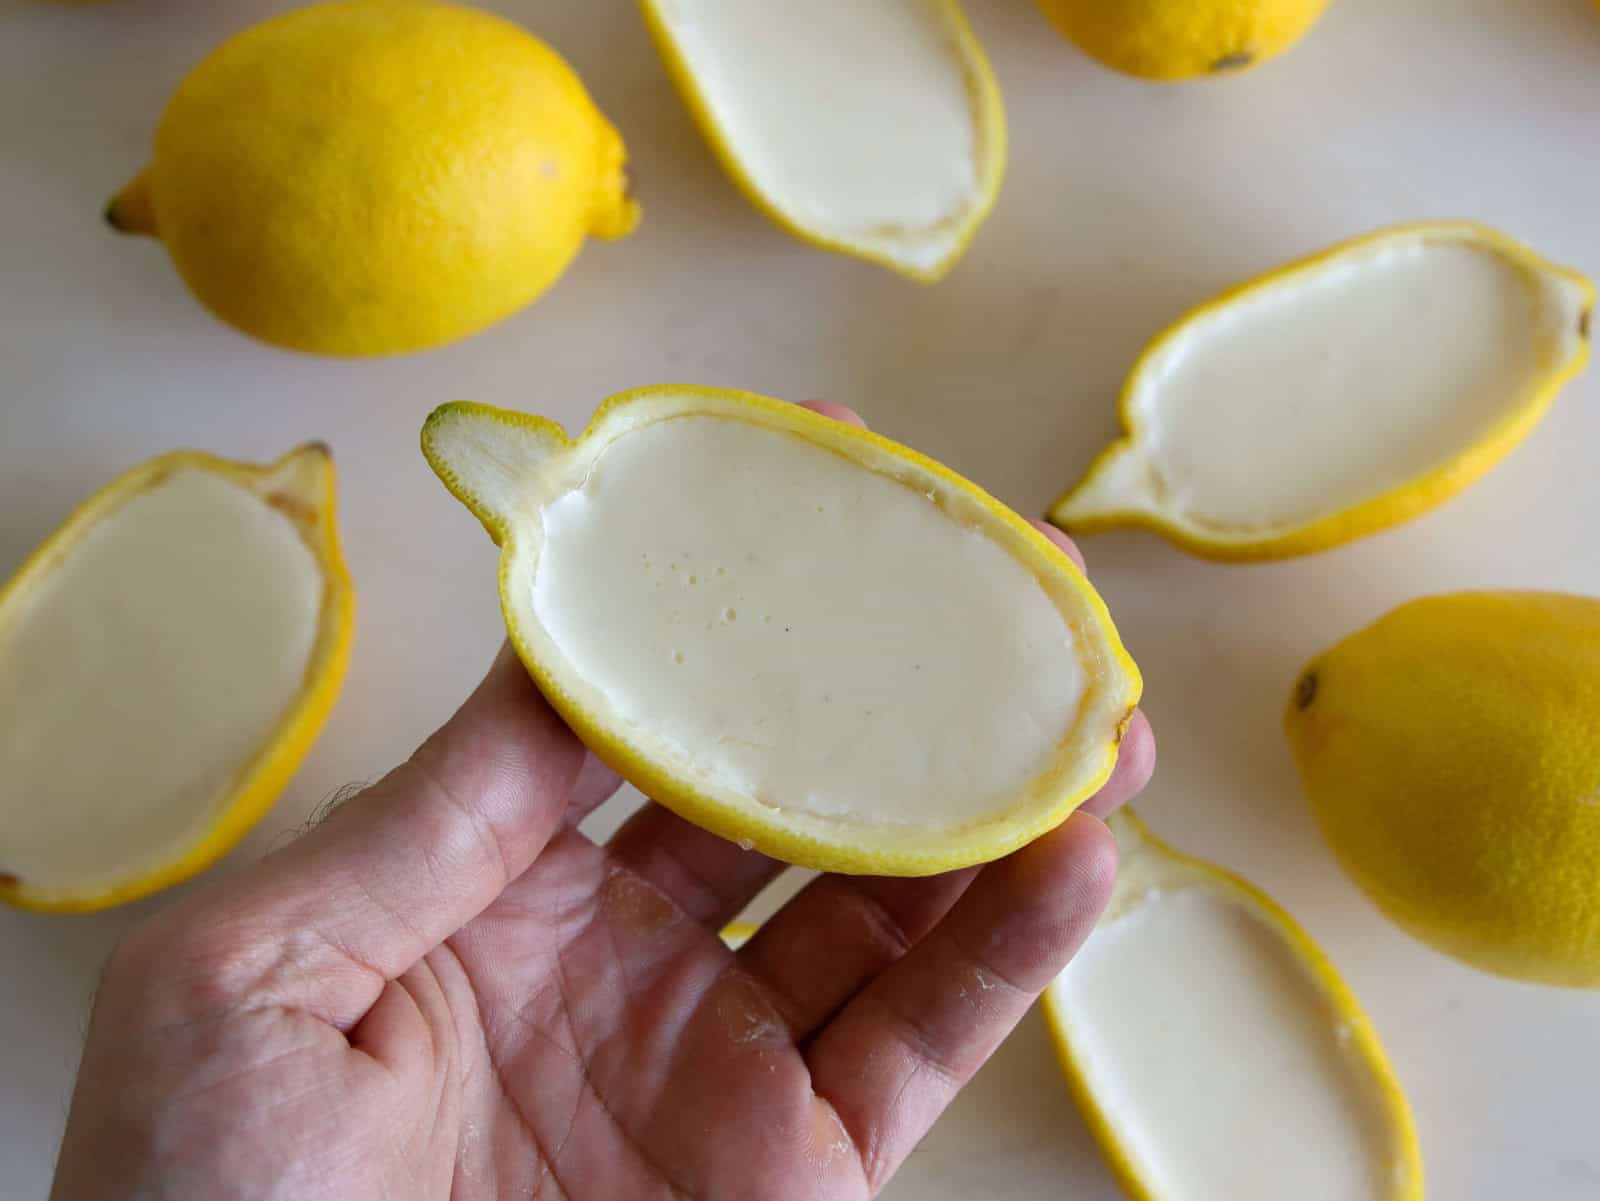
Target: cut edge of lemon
x,y
511,469
910,243
300,486
1129,487
1160,1004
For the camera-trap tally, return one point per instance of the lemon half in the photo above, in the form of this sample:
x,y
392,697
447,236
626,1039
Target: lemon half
x,y
875,129
166,659
1215,1051
1338,395
1183,39
794,632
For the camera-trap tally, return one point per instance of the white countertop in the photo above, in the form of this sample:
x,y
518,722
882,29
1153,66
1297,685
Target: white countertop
x,y
1125,203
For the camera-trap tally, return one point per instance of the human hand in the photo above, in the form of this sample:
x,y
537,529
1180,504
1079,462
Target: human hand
x,y
447,991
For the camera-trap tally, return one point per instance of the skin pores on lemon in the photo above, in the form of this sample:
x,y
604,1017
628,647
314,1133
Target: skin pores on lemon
x,y
367,177
1449,753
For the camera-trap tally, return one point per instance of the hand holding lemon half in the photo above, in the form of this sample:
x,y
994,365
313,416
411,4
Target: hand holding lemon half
x,y
796,633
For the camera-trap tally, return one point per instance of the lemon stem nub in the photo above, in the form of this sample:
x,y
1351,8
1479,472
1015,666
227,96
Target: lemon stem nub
x,y
130,210
1306,691
1234,62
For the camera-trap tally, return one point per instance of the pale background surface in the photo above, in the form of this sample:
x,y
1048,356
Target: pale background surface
x,y
1125,204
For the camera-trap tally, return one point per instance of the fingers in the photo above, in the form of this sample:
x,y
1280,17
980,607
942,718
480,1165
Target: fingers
x,y
896,1055
838,933
1064,542
1136,758
403,865
596,785
708,877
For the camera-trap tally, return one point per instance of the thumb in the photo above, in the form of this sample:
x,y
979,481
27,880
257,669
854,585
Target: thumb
x,y
403,865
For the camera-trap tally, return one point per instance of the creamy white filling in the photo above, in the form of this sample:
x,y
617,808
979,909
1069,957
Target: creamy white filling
x,y
1341,383
856,119
786,624
1220,1063
141,675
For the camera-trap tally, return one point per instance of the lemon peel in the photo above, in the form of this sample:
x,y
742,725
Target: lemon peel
x,y
167,658
876,130
1339,395
1214,1050
1183,39
1449,753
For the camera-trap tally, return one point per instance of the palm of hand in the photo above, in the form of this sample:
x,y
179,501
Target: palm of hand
x,y
447,991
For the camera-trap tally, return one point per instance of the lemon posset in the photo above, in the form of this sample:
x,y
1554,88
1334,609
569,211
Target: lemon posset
x,y
793,632
166,660
872,129
1338,395
1215,1050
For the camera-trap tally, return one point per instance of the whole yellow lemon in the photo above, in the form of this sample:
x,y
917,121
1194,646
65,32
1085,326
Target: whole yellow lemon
x,y
1452,754
374,176
1181,39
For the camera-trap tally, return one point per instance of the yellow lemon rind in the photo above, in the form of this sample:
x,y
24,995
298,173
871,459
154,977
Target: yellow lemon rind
x,y
1379,512
899,853
988,107
337,262
1363,1042
263,778
1182,64
1555,850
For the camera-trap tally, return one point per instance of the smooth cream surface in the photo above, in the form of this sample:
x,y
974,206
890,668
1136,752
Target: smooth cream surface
x,y
1220,1063
789,625
852,118
1339,384
143,673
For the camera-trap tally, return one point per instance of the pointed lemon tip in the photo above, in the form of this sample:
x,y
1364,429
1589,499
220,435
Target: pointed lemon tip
x,y
487,457
617,220
301,483
1116,483
131,211
616,209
